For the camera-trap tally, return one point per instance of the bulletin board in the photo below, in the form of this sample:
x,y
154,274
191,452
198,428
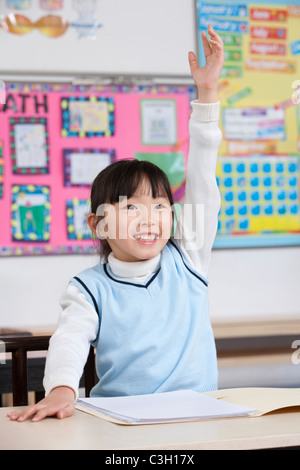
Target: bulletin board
x,y
258,167
54,140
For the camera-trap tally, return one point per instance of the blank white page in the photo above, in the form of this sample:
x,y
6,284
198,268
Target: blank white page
x,y
164,407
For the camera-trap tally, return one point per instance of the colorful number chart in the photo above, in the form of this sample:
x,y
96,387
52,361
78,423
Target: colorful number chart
x,y
260,195
258,168
55,139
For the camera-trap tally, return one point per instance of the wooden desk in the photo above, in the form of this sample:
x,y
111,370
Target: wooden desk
x,y
86,432
256,328
257,344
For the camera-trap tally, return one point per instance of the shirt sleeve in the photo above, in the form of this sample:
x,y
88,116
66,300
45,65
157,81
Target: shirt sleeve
x,y
69,346
198,219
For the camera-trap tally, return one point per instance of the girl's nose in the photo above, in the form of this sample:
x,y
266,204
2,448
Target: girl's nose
x,y
147,216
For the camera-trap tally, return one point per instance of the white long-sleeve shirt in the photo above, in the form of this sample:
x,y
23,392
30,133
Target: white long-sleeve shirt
x,y
79,322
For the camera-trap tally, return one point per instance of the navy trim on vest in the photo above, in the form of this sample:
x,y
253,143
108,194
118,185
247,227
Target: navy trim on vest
x,y
130,283
183,260
89,292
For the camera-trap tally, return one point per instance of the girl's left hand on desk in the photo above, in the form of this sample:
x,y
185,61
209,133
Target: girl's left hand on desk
x,y
59,403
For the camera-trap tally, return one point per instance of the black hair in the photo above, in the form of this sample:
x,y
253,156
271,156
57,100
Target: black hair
x,y
122,178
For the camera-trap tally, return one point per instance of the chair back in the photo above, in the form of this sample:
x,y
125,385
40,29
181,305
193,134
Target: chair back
x,y
18,345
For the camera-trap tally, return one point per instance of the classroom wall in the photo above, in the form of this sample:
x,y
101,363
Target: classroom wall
x,y
256,284
245,283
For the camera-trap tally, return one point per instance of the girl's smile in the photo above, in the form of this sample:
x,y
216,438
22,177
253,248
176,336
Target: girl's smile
x,y
146,238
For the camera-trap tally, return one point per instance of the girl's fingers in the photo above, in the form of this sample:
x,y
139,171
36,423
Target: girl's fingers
x,y
41,414
19,414
216,44
29,412
214,36
211,31
54,410
23,415
193,61
13,415
214,41
66,411
205,43
38,412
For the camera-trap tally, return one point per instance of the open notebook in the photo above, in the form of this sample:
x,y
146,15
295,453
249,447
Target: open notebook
x,y
188,405
265,400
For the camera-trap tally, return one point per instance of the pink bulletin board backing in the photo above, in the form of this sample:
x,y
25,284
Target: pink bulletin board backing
x,y
37,200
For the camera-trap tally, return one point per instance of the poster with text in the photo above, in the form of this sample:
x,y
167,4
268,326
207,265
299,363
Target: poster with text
x,y
258,166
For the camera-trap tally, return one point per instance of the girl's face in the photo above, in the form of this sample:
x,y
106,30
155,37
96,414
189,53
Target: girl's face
x,y
136,228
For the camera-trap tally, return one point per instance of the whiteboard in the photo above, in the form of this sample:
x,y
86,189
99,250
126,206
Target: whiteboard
x,y
135,37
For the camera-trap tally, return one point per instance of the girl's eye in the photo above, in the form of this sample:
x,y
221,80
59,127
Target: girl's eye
x,y
131,207
161,206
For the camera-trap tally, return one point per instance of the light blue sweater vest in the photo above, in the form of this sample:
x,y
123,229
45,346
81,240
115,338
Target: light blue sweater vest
x,y
154,336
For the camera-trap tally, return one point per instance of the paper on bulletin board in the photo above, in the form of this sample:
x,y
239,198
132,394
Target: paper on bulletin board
x,y
159,122
258,169
55,139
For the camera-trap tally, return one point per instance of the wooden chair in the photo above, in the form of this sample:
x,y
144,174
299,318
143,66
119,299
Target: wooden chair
x,y
19,345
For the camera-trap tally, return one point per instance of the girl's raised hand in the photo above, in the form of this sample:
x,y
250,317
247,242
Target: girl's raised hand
x,y
206,78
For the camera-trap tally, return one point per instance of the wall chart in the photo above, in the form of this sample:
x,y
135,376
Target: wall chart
x,y
258,167
54,140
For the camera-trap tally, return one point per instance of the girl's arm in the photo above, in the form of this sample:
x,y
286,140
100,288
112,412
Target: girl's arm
x,y
197,224
67,355
77,329
198,219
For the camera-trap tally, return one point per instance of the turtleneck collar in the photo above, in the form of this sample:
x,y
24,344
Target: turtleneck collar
x,y
139,269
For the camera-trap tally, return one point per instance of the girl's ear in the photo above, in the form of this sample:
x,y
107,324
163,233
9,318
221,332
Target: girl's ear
x,y
92,221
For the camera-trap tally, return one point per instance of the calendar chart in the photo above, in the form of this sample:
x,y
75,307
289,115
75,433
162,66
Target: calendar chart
x,y
260,197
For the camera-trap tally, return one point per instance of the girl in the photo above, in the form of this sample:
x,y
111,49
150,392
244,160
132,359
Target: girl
x,y
145,307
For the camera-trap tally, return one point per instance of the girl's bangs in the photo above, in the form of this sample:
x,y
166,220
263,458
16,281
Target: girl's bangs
x,y
142,177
